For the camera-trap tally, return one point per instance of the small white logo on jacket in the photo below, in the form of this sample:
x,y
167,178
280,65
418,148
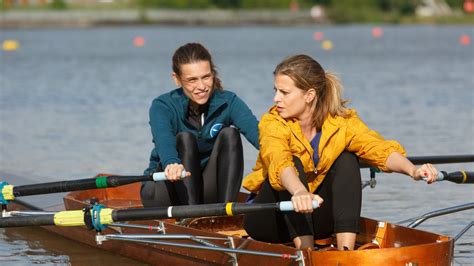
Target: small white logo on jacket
x,y
215,129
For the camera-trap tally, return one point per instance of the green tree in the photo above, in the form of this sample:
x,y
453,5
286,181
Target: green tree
x,y
58,4
404,7
266,3
180,4
455,3
321,2
227,3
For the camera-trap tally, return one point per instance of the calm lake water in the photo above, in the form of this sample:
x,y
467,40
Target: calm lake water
x,y
74,103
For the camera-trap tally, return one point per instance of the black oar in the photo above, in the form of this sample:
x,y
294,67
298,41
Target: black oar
x,y
459,177
9,192
98,216
438,159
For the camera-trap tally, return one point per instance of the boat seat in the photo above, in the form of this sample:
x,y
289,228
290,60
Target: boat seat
x,y
236,233
328,249
324,241
369,246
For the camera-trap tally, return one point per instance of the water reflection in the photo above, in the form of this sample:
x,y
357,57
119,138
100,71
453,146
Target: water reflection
x,y
29,245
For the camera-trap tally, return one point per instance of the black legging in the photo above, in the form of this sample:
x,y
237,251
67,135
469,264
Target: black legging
x,y
219,181
340,211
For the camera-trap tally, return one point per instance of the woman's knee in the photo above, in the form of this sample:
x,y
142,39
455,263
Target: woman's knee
x,y
229,134
347,159
185,136
346,169
186,140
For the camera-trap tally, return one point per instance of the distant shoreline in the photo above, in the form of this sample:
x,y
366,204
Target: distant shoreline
x,y
84,18
91,18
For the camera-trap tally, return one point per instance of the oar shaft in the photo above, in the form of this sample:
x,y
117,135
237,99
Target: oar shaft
x,y
21,221
81,184
438,159
442,159
459,177
190,211
75,185
108,216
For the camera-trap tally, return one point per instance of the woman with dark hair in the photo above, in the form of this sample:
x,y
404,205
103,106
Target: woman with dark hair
x,y
196,128
309,149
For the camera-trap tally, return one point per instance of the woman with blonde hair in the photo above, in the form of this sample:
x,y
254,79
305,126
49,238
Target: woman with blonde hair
x,y
310,143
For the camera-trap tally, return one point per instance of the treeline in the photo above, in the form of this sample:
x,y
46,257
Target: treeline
x,y
402,6
233,4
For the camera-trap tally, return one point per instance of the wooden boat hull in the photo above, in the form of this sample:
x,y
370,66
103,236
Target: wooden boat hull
x,y
397,245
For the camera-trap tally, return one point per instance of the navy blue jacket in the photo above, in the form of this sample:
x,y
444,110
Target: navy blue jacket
x,y
168,118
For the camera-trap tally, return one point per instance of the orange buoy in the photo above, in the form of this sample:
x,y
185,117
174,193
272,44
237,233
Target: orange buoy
x,y
138,41
377,32
318,36
465,39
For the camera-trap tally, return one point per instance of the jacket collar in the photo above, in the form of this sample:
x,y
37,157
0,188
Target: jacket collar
x,y
295,128
216,100
330,126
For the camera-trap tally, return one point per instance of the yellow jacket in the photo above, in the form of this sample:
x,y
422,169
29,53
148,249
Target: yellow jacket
x,y
280,139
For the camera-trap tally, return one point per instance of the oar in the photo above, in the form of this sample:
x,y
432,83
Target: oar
x,y
459,177
98,216
438,159
9,192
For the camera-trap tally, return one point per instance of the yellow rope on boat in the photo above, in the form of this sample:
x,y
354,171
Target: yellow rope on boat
x,y
7,192
464,176
228,209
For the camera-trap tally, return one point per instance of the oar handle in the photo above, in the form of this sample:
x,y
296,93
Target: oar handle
x,y
288,205
459,177
160,176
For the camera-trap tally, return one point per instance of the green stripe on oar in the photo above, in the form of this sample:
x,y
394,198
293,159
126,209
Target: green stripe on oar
x,y
108,216
101,182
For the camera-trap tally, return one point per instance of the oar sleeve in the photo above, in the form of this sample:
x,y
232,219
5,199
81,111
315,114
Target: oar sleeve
x,y
75,185
459,177
20,221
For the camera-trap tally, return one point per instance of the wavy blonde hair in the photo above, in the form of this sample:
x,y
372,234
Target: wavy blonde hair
x,y
308,74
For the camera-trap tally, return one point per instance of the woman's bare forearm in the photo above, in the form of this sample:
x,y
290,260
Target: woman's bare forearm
x,y
291,181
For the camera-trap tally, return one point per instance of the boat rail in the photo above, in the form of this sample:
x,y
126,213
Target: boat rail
x,y
415,221
464,230
155,239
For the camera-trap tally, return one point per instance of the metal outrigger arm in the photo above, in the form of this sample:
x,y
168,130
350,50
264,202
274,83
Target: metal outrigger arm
x,y
415,221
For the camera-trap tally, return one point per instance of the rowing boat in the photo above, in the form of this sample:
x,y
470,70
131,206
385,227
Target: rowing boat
x,y
222,240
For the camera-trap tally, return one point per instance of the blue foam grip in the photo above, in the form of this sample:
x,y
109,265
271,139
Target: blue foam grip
x,y
160,176
288,206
